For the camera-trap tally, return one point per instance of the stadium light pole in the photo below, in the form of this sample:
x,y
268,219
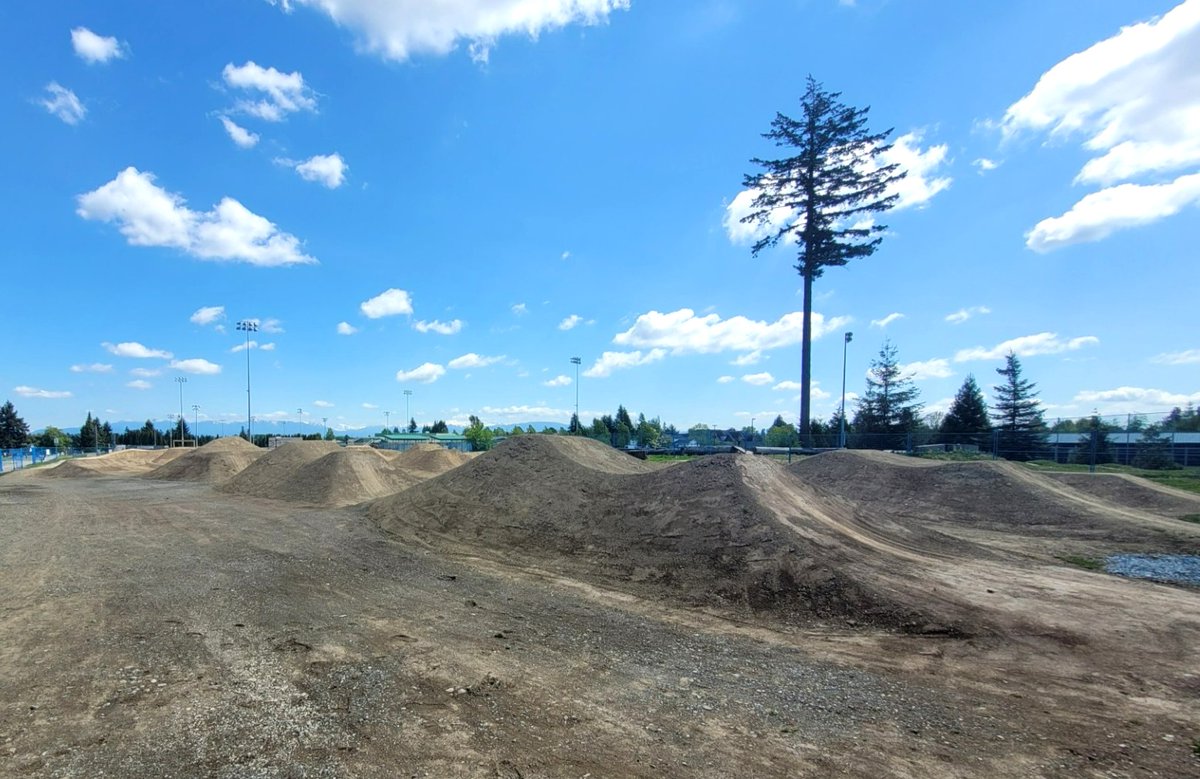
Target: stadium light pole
x,y
576,362
842,421
407,395
195,422
387,420
181,380
300,411
248,326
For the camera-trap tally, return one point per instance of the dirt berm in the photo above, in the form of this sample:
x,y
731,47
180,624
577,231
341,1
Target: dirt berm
x,y
725,530
992,496
1125,490
265,476
127,462
214,463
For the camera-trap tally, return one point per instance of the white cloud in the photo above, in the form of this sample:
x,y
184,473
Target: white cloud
x,y
270,326
426,373
244,346
34,392
963,314
93,48
1187,357
524,413
387,303
196,365
984,165
565,255
322,404
1103,213
520,309
758,379
685,333
788,386
369,406
926,369
145,373
148,215
1134,98
139,384
1129,400
725,379
135,349
96,367
240,135
472,360
570,322
922,182
612,361
1027,346
560,380
345,328
207,315
267,347
887,320
63,103
407,28
441,328
279,94
749,358
327,169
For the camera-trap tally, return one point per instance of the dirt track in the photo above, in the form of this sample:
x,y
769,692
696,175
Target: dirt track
x,y
161,628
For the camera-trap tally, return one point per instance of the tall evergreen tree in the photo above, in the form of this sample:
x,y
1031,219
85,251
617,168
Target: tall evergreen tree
x,y
967,420
890,409
1021,431
1094,447
13,430
819,195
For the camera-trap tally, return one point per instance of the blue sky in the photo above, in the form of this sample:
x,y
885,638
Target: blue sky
x,y
455,198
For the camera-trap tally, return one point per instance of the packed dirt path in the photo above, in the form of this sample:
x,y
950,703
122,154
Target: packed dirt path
x,y
154,629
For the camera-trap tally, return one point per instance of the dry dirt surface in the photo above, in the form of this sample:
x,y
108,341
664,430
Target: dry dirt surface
x,y
556,609
1123,490
214,463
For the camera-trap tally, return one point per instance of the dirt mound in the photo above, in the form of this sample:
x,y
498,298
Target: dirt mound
x,y
70,469
343,478
711,531
214,463
262,477
430,458
991,495
1123,490
126,462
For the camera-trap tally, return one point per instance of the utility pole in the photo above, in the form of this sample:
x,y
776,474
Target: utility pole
x,y
842,414
576,361
407,417
181,380
300,411
196,423
248,326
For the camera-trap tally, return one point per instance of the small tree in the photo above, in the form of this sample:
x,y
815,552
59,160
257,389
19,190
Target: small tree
x,y
821,193
967,420
478,434
889,411
1094,447
1020,429
780,433
1154,450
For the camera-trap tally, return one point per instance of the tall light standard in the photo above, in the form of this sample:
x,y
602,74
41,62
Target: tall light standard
x,y
842,414
324,426
408,418
248,326
578,422
181,380
196,422
300,411
387,420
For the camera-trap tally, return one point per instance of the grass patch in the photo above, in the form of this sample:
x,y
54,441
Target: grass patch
x,y
1079,561
1191,518
670,458
1187,479
955,457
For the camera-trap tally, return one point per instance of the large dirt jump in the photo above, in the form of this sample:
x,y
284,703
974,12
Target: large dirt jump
x,y
321,473
214,463
127,462
1124,490
988,497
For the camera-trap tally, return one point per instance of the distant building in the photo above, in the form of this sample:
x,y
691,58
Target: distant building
x,y
401,441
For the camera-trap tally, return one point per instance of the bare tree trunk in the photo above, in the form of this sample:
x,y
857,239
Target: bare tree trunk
x,y
806,363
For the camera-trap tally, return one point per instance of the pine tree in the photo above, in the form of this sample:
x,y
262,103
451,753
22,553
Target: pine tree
x,y
890,410
1021,431
967,420
1154,450
1094,447
13,430
825,188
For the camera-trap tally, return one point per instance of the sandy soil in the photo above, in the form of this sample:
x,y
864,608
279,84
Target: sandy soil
x,y
542,611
